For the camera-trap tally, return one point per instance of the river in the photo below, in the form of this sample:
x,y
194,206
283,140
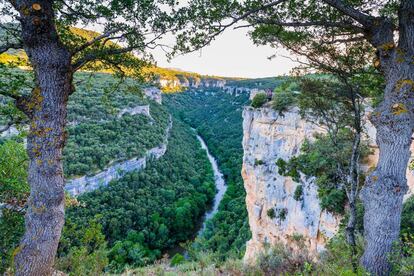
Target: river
x,y
220,186
221,189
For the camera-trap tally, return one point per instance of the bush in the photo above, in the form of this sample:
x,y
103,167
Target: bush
x,y
402,257
177,259
298,193
259,100
279,260
258,162
288,168
271,213
334,201
282,214
283,101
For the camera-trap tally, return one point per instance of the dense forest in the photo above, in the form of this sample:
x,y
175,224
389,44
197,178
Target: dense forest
x,y
98,135
144,213
135,219
217,117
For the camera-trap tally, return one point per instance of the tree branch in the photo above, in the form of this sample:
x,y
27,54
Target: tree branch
x,y
343,24
94,56
95,40
235,20
362,18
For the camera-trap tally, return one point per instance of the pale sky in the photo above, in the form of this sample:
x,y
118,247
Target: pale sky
x,y
232,54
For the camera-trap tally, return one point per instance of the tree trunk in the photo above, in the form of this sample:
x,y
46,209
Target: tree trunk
x,y
385,188
350,235
46,108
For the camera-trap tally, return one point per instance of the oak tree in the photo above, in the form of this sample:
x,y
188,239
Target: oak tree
x,y
388,27
44,30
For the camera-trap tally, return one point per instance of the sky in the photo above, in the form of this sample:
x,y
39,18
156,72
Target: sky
x,y
232,54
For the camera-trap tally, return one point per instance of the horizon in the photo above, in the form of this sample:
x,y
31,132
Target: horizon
x,y
222,58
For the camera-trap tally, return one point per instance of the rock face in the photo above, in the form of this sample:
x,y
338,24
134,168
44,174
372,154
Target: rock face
x,y
192,82
89,183
268,137
140,109
153,93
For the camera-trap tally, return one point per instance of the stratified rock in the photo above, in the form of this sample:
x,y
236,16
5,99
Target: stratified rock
x,y
89,183
153,93
268,137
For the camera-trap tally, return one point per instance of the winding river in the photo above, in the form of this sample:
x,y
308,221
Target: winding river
x,y
221,189
220,186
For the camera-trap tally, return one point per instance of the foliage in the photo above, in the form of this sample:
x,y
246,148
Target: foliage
x,y
13,191
288,169
407,219
258,162
11,231
282,214
284,95
217,118
90,257
271,213
402,257
97,136
319,159
336,261
147,212
282,101
177,259
298,194
259,100
279,260
13,173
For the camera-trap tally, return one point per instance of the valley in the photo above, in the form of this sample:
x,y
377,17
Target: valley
x,y
201,137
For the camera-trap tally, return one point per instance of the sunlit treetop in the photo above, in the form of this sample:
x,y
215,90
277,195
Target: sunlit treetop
x,y
122,27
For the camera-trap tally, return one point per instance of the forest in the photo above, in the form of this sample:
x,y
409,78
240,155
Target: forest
x,y
135,219
207,110
71,75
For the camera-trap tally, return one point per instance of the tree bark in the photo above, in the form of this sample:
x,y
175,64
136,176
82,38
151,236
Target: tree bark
x,y
46,108
383,192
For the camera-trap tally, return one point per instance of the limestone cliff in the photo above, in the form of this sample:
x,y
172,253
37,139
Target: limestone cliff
x,y
86,183
268,137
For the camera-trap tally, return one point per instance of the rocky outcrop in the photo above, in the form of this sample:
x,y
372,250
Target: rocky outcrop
x,y
89,183
274,215
268,137
181,81
140,109
153,93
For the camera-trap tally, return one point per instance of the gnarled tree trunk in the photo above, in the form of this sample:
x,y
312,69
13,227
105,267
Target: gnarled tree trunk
x,y
46,108
385,188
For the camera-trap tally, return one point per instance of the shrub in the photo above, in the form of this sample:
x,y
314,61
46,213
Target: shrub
x,y
334,201
288,168
282,214
282,101
177,259
279,260
259,100
336,259
402,257
298,193
258,162
271,213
